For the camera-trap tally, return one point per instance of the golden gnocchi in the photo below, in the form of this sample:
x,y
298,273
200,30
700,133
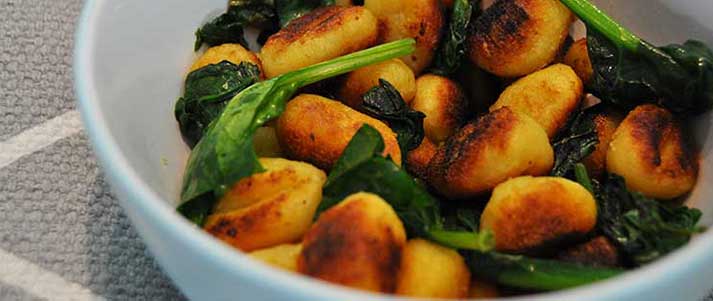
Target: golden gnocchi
x,y
525,213
270,208
444,104
498,146
357,243
323,34
549,96
649,150
517,37
316,129
418,19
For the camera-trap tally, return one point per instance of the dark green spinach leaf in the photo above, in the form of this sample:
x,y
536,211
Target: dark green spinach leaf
x,y
288,10
229,27
452,51
226,154
384,102
417,209
629,71
644,229
535,274
577,141
207,92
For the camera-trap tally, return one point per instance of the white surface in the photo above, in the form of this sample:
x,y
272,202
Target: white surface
x,y
130,60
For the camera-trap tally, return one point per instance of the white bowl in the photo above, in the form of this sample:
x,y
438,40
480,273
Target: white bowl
x,y
130,59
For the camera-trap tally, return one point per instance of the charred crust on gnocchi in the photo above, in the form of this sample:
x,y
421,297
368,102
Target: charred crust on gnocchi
x,y
484,153
529,212
516,37
650,151
317,130
357,243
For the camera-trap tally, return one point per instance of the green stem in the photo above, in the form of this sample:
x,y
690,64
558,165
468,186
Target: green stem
x,y
596,18
478,241
348,63
580,172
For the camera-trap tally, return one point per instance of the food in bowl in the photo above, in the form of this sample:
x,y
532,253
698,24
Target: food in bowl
x,y
349,148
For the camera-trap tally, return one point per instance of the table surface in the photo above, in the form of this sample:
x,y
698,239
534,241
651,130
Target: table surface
x,y
63,235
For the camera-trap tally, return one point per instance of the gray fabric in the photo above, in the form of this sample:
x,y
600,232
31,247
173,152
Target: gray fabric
x,y
9,292
55,208
56,212
36,39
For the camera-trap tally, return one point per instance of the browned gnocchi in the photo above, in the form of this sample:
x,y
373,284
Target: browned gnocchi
x,y
371,238
649,150
419,19
324,34
498,146
316,129
517,37
526,213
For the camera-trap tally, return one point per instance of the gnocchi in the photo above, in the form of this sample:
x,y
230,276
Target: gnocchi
x,y
513,38
303,133
648,149
357,243
525,213
270,208
498,146
323,34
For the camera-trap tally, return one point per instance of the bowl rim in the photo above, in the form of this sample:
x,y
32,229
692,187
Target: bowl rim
x,y
124,178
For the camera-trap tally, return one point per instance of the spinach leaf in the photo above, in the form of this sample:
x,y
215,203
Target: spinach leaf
x,y
384,102
226,154
229,27
575,143
417,209
629,71
535,274
288,10
450,55
207,91
643,229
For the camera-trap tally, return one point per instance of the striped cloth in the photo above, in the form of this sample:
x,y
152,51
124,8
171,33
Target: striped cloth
x,y
62,234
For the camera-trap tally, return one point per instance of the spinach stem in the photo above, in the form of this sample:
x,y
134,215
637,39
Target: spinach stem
x,y
595,17
580,172
347,63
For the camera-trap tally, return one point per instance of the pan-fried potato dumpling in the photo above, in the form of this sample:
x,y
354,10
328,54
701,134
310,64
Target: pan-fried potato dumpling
x,y
513,38
549,96
605,124
528,212
234,53
443,102
318,36
649,151
429,270
362,80
270,208
419,19
317,130
356,243
419,158
498,146
282,256
577,57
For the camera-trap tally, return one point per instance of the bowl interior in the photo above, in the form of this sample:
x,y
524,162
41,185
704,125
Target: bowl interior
x,y
140,52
